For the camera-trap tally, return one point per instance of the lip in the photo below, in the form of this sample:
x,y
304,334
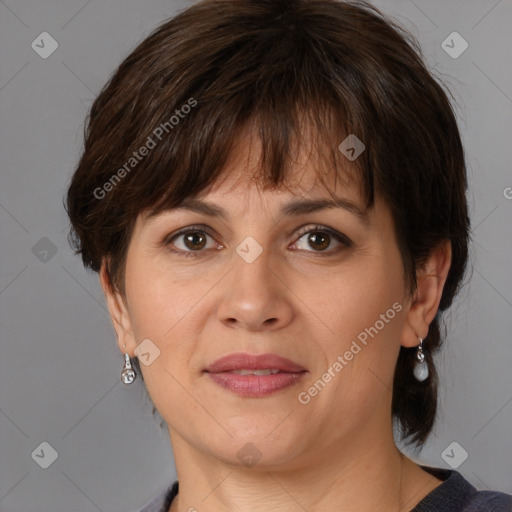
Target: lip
x,y
241,360
254,385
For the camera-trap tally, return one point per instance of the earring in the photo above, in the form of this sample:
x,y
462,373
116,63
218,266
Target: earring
x,y
420,368
128,373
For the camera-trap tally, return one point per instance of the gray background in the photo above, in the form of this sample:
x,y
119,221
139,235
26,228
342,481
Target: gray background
x,y
59,364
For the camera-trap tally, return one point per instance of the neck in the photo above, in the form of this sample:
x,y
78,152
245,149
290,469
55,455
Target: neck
x,y
348,474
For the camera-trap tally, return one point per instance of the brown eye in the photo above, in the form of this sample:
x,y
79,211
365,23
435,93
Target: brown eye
x,y
319,239
191,240
194,240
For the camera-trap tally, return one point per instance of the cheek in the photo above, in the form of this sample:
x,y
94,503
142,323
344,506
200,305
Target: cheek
x,y
354,297
159,303
362,308
160,310
171,314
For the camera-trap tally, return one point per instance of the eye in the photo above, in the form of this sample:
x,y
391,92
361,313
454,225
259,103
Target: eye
x,y
192,240
320,238
189,240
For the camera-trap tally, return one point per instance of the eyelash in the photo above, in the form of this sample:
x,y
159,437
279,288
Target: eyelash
x,y
339,237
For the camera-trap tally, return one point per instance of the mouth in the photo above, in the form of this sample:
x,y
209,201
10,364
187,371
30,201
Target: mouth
x,y
266,371
254,375
242,362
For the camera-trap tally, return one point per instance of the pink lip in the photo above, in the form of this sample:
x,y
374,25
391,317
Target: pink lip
x,y
241,361
254,385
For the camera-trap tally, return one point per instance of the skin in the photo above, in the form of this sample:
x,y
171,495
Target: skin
x,y
292,301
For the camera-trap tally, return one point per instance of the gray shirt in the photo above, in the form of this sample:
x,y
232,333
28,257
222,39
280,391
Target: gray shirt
x,y
455,494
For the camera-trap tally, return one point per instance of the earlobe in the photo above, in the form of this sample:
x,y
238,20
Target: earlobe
x,y
118,313
425,304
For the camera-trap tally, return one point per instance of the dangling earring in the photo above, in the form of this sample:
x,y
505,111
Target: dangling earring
x,y
420,368
128,373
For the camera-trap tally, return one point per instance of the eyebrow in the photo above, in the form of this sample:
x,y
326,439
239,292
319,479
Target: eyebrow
x,y
293,208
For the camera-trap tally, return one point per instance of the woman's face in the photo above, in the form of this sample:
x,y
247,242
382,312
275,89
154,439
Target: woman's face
x,y
275,273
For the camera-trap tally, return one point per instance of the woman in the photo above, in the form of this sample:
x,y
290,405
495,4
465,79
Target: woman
x,y
273,195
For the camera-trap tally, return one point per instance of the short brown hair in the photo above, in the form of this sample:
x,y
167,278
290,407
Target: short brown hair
x,y
328,67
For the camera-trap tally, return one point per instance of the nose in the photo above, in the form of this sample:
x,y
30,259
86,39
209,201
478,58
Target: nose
x,y
255,296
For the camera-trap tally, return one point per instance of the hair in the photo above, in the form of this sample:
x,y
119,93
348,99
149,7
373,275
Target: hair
x,y
301,73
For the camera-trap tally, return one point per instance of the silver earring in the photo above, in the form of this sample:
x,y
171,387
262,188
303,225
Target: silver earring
x,y
420,368
128,373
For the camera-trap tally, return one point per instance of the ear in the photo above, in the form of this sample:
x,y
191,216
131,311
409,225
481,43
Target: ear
x,y
118,313
425,303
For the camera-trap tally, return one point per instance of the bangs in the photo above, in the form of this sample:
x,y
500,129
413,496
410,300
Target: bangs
x,y
293,114
298,142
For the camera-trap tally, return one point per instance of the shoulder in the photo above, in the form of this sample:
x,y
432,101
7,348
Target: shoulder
x,y
162,501
456,494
